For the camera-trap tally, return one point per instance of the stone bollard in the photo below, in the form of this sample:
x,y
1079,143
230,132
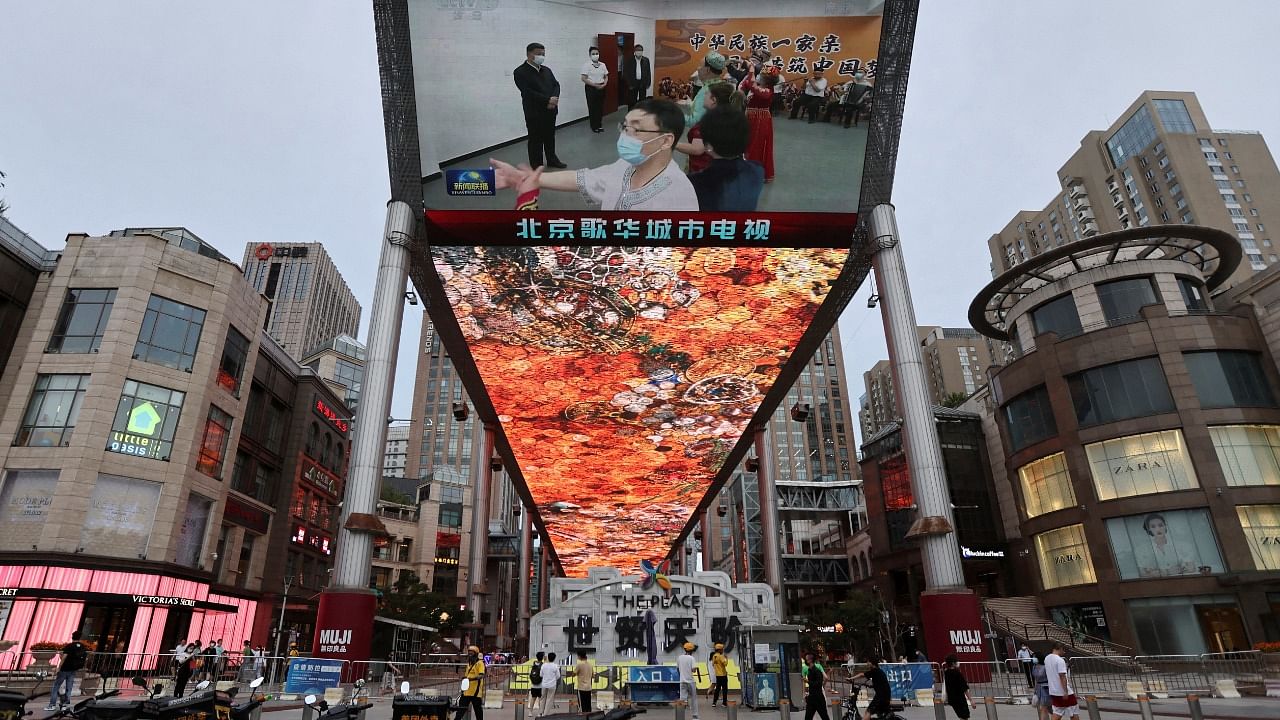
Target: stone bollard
x,y
784,707
732,708
1144,707
520,709
679,707
990,702
1193,704
837,709
939,710
1091,706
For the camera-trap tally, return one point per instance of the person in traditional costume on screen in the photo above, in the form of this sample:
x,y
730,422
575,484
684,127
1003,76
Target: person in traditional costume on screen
x,y
765,694
710,73
645,176
1168,556
721,95
760,94
731,183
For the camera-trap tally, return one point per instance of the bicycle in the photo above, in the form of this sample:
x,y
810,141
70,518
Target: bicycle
x,y
849,705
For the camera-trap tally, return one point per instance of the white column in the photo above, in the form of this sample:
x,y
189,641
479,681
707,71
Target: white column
x,y
354,553
478,557
769,519
935,526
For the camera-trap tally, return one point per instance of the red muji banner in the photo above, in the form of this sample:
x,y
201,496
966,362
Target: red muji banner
x,y
344,626
953,624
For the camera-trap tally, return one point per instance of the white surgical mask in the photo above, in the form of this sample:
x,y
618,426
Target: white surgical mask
x,y
539,59
595,56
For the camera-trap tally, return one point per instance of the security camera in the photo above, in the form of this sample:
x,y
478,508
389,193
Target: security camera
x,y
460,411
495,465
800,412
752,465
722,510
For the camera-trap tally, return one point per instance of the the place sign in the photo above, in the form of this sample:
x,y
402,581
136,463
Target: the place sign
x,y
676,599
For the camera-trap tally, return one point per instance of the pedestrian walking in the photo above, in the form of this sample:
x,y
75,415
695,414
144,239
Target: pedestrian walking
x,y
815,697
688,684
1061,695
1040,689
535,684
1026,660
74,656
473,695
185,660
550,681
720,666
956,688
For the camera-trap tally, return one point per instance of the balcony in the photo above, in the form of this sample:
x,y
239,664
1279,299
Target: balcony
x,y
1076,191
1085,215
1089,229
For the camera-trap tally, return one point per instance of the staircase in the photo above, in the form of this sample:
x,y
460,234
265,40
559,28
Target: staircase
x,y
1022,618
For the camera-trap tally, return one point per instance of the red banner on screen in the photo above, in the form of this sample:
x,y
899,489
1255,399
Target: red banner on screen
x,y
694,229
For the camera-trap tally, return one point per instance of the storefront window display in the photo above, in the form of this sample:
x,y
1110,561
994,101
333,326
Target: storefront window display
x,y
1261,525
1249,454
1141,465
1046,485
1165,544
1188,625
1064,557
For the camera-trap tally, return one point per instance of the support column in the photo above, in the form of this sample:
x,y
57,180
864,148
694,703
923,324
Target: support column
x,y
545,586
706,541
525,569
481,490
344,623
769,519
947,605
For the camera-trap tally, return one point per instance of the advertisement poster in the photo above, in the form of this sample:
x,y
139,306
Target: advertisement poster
x,y
25,500
313,676
121,513
765,690
906,678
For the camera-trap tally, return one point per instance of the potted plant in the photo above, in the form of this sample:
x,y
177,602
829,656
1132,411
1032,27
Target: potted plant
x,y
44,650
1270,655
6,644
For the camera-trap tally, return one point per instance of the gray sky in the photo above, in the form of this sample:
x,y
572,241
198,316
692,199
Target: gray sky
x,y
261,121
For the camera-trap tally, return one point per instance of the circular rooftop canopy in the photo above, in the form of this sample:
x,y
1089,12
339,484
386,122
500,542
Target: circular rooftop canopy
x,y
1213,252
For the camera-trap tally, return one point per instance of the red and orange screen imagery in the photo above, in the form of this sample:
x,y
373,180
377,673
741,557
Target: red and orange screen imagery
x,y
623,376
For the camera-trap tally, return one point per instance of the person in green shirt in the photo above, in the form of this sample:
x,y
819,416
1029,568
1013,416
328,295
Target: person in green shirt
x,y
711,72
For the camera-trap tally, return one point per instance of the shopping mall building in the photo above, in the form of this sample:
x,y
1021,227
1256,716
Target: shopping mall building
x,y
1140,430
157,445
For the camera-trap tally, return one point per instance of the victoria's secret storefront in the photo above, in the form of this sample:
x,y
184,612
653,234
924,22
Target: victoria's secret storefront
x,y
138,613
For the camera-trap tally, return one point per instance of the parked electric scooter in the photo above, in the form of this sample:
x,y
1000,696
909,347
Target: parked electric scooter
x,y
243,710
84,708
349,709
127,708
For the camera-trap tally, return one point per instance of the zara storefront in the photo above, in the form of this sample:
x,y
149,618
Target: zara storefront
x,y
1141,429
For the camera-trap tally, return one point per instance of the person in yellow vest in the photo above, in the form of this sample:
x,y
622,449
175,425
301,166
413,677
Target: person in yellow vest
x,y
720,668
473,696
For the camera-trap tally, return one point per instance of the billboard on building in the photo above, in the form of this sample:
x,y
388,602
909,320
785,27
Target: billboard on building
x,y
625,316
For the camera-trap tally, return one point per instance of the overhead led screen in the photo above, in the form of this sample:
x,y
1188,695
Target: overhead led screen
x,y
623,376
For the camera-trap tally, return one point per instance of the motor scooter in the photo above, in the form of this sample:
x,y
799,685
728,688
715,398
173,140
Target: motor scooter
x,y
243,710
348,709
13,703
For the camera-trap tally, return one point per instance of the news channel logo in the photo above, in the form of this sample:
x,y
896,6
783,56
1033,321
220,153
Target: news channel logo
x,y
471,182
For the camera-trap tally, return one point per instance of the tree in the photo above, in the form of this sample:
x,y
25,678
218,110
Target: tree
x,y
4,206
855,622
954,400
390,494
412,601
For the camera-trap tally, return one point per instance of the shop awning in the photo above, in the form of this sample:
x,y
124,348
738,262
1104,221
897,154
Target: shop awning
x,y
402,623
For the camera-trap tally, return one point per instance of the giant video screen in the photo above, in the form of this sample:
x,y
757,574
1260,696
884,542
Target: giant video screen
x,y
635,211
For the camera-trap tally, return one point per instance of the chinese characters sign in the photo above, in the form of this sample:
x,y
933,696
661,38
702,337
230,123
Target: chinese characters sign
x,y
624,375
840,46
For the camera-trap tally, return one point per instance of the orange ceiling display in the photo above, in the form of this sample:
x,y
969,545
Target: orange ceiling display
x,y
623,376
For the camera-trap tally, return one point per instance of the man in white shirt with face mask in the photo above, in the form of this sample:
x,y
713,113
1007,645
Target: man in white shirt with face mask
x,y
645,177
595,76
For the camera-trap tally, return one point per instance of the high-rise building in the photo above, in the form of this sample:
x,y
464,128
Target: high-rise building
x,y
309,302
955,361
819,491
396,455
1160,163
340,362
156,444
440,455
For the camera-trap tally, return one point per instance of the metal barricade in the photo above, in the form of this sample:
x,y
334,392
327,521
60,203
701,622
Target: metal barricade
x,y
990,679
1246,667
1178,674
1101,675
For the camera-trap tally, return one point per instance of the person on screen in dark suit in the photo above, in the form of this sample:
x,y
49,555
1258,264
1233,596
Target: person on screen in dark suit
x,y
540,96
637,75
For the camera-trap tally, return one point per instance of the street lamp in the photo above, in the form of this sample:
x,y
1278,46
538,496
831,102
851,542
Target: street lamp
x,y
284,602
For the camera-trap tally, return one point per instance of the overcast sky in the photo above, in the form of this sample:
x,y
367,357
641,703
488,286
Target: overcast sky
x,y
261,121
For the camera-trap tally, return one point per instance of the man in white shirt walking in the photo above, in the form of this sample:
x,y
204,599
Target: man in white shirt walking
x,y
688,686
550,681
1061,696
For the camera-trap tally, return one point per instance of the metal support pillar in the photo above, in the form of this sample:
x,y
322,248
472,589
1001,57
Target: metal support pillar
x,y
939,548
525,569
704,553
478,557
769,526
354,553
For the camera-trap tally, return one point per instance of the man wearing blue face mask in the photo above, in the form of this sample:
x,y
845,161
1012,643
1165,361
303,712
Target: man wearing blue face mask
x,y
645,177
540,96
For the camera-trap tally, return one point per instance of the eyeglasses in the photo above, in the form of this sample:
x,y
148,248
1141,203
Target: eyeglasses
x,y
624,127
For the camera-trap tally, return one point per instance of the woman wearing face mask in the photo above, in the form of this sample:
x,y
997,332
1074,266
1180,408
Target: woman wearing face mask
x,y
595,75
645,177
760,97
719,95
